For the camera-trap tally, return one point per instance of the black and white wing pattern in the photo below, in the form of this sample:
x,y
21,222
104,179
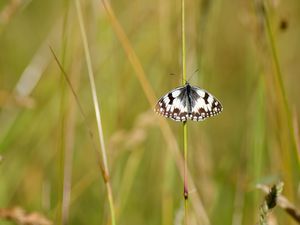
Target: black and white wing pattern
x,y
203,104
188,102
174,105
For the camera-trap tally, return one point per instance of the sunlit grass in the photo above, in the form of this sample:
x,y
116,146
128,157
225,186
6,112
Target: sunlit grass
x,y
244,58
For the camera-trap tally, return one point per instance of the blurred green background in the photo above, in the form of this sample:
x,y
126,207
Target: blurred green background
x,y
44,141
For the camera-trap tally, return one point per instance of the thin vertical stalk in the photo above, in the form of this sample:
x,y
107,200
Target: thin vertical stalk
x,y
97,112
185,146
183,41
280,82
67,133
62,139
185,180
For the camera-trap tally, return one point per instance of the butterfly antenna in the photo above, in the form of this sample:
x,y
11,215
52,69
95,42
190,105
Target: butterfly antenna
x,y
196,71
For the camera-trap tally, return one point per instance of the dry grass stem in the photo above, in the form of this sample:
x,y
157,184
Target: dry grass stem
x,y
21,217
69,135
97,111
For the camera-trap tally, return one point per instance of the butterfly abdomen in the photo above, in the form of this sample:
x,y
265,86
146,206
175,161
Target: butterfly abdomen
x,y
189,100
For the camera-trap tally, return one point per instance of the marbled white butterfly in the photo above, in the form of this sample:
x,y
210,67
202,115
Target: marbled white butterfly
x,y
188,102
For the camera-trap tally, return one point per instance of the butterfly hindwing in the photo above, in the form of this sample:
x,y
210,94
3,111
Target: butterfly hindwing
x,y
173,105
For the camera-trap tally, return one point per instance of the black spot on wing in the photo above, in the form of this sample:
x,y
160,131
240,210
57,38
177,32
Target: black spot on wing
x,y
217,106
176,111
201,111
171,98
206,97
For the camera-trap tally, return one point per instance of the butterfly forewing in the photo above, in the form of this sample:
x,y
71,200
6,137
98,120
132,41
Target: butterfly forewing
x,y
188,102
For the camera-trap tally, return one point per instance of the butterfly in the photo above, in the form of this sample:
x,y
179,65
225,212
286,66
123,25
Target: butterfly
x,y
188,102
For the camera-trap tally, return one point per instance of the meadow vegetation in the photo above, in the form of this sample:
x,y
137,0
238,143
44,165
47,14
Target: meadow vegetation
x,y
59,164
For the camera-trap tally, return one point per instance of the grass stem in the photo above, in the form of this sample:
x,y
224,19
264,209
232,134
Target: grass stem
x,y
280,83
185,146
97,112
185,176
183,42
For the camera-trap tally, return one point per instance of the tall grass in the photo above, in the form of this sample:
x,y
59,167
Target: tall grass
x,y
246,59
185,130
106,175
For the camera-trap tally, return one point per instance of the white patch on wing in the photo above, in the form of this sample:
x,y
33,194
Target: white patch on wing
x,y
200,92
176,93
210,99
166,100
